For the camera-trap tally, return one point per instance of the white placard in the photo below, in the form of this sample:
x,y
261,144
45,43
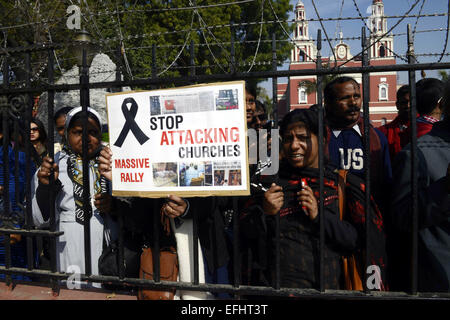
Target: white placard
x,y
189,141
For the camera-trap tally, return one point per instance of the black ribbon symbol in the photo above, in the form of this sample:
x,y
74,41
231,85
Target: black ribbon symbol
x,y
130,124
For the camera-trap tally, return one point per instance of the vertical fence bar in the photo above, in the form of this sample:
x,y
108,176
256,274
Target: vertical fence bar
x,y
236,247
118,71
232,49
321,164
121,244
192,59
154,66
274,81
195,246
414,165
236,227
156,244
27,144
84,96
50,148
120,217
6,197
15,139
156,210
275,119
18,199
192,72
366,143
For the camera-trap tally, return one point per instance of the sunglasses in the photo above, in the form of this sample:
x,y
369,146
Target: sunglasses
x,y
34,129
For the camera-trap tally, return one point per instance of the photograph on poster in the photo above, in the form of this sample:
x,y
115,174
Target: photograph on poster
x,y
165,174
192,174
226,100
155,106
227,173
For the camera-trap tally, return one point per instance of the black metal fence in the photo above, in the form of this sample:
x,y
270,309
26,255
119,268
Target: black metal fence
x,y
16,107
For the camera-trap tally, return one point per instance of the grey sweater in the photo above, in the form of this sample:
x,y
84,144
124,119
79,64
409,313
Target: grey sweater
x,y
434,205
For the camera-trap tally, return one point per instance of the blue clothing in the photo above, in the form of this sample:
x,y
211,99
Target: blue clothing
x,y
346,151
18,250
12,185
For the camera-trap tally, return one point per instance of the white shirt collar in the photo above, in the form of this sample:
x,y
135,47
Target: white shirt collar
x,y
355,127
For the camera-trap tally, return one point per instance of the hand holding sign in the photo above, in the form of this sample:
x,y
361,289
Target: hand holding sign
x,y
105,163
175,206
44,172
103,202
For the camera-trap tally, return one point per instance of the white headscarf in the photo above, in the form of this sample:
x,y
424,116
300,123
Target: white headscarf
x,y
77,110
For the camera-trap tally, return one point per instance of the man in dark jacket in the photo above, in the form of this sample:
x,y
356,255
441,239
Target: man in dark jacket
x,y
433,155
345,144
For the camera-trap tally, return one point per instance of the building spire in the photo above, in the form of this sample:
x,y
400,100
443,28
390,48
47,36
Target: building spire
x,y
304,50
378,28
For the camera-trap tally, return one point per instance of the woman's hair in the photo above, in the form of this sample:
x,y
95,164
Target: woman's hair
x,y
61,112
250,88
428,93
446,101
41,129
260,106
308,117
402,91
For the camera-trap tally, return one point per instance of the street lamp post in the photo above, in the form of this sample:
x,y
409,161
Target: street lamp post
x,y
85,51
83,42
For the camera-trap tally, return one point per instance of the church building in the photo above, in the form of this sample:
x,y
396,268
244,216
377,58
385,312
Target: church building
x,y
383,85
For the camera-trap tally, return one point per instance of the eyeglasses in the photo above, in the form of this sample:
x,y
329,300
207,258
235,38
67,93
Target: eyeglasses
x,y
34,129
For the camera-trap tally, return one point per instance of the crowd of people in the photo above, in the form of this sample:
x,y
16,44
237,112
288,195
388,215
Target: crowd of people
x,y
383,243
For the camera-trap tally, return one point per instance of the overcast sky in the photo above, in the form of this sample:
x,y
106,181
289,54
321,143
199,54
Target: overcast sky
x,y
424,43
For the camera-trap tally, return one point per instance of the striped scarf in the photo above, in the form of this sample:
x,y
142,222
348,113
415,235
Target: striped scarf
x,y
75,173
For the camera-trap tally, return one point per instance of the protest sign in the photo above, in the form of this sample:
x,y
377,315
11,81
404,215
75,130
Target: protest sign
x,y
188,141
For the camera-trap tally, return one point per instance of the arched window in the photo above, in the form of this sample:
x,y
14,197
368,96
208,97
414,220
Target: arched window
x,y
302,56
383,91
302,96
382,51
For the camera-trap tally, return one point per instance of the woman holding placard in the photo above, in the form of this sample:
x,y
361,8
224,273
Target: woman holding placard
x,y
294,194
67,168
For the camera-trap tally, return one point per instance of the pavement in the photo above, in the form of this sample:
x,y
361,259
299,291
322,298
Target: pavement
x,y
28,291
